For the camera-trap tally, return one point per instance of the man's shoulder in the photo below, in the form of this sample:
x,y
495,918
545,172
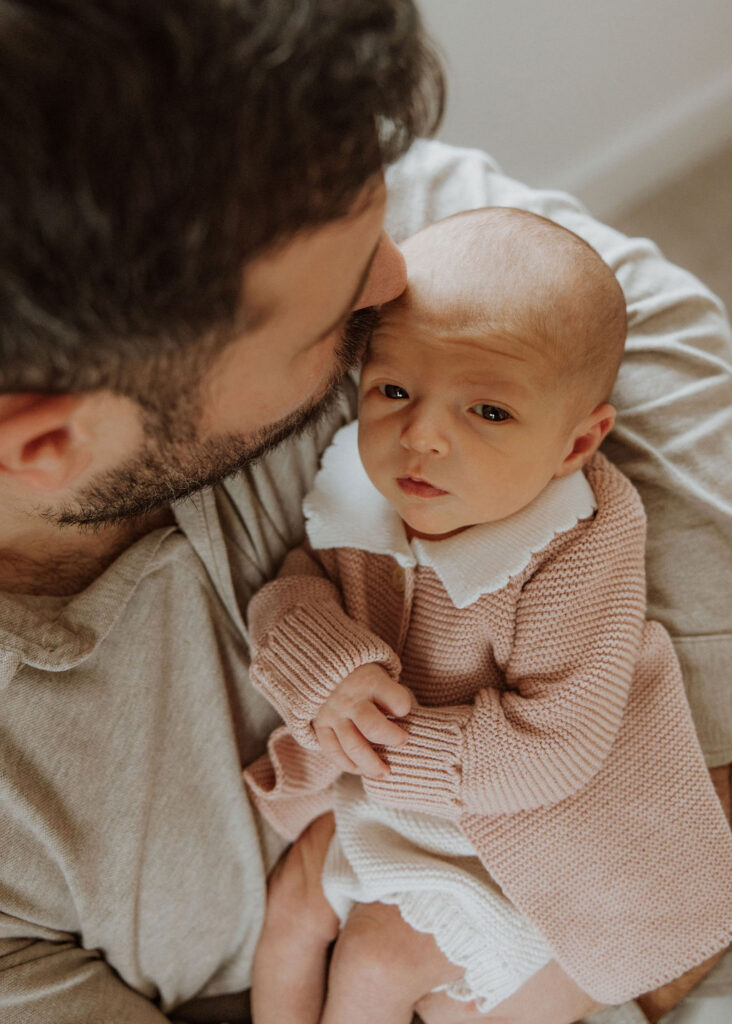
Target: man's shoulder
x,y
434,180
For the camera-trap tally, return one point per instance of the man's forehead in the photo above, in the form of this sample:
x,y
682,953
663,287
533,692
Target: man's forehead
x,y
372,193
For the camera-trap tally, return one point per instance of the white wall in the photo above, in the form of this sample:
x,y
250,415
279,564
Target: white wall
x,y
605,98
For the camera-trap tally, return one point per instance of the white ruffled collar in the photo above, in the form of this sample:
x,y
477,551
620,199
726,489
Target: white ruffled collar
x,y
344,510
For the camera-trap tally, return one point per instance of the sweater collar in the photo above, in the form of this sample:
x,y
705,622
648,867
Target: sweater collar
x,y
344,510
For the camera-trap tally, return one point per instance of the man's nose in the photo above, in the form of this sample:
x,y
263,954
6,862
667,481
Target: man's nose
x,y
387,276
423,434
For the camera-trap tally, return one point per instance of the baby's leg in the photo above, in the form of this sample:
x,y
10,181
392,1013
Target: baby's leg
x,y
382,970
381,967
548,997
290,962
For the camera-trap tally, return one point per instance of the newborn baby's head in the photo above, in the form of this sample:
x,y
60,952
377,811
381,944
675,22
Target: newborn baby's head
x,y
491,374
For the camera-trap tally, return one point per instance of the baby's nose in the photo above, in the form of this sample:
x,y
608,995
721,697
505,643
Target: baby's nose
x,y
424,436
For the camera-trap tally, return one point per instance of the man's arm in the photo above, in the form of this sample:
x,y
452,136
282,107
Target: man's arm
x,y
58,982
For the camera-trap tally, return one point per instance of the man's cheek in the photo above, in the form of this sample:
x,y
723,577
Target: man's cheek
x,y
319,362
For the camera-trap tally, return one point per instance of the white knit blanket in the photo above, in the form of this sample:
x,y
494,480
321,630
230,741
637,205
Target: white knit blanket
x,y
423,865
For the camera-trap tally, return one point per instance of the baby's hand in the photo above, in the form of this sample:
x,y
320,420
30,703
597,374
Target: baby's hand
x,y
353,718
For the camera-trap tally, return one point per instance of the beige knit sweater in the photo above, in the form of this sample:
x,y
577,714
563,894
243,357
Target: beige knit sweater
x,y
550,723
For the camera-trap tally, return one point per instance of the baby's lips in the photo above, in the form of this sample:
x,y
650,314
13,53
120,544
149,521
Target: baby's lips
x,y
417,488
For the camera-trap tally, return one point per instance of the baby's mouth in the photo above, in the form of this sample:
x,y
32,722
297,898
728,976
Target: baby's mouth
x,y
413,487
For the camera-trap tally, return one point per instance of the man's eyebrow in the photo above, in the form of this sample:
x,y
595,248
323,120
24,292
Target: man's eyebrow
x,y
255,316
351,302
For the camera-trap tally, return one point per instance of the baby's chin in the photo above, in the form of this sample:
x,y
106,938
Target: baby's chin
x,y
429,524
421,535
428,527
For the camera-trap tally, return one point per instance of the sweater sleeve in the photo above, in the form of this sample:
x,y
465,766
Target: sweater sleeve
x,y
578,631
291,786
304,644
673,434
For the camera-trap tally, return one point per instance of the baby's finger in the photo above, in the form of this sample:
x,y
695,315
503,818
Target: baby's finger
x,y
377,728
330,745
392,696
359,750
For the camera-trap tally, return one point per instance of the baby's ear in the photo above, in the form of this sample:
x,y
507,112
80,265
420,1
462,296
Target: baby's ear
x,y
586,438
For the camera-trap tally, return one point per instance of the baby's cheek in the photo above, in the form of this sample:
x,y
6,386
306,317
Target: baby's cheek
x,y
377,461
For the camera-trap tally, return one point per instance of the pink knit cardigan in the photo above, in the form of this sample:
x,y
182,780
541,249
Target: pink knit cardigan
x,y
550,724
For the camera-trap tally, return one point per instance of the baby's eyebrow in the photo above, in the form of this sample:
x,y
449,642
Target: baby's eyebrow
x,y
492,383
380,365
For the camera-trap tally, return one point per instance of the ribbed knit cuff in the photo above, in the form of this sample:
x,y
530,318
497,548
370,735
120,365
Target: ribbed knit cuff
x,y
307,654
425,772
290,786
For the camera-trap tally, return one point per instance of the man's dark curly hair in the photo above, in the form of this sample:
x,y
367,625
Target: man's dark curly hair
x,y
150,148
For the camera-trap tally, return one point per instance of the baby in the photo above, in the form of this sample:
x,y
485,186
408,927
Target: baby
x,y
461,658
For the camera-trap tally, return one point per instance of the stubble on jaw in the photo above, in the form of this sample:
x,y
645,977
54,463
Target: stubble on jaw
x,y
173,463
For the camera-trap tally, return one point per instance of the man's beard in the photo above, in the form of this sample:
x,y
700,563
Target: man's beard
x,y
166,471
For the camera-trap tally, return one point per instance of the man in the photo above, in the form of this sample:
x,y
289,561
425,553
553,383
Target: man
x,y
192,203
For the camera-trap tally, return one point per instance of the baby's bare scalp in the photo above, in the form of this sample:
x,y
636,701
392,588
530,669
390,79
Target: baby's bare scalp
x,y
501,269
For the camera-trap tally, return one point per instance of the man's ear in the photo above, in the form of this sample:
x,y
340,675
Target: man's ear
x,y
587,438
43,446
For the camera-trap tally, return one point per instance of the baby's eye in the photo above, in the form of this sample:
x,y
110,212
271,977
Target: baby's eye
x,y
493,413
392,391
